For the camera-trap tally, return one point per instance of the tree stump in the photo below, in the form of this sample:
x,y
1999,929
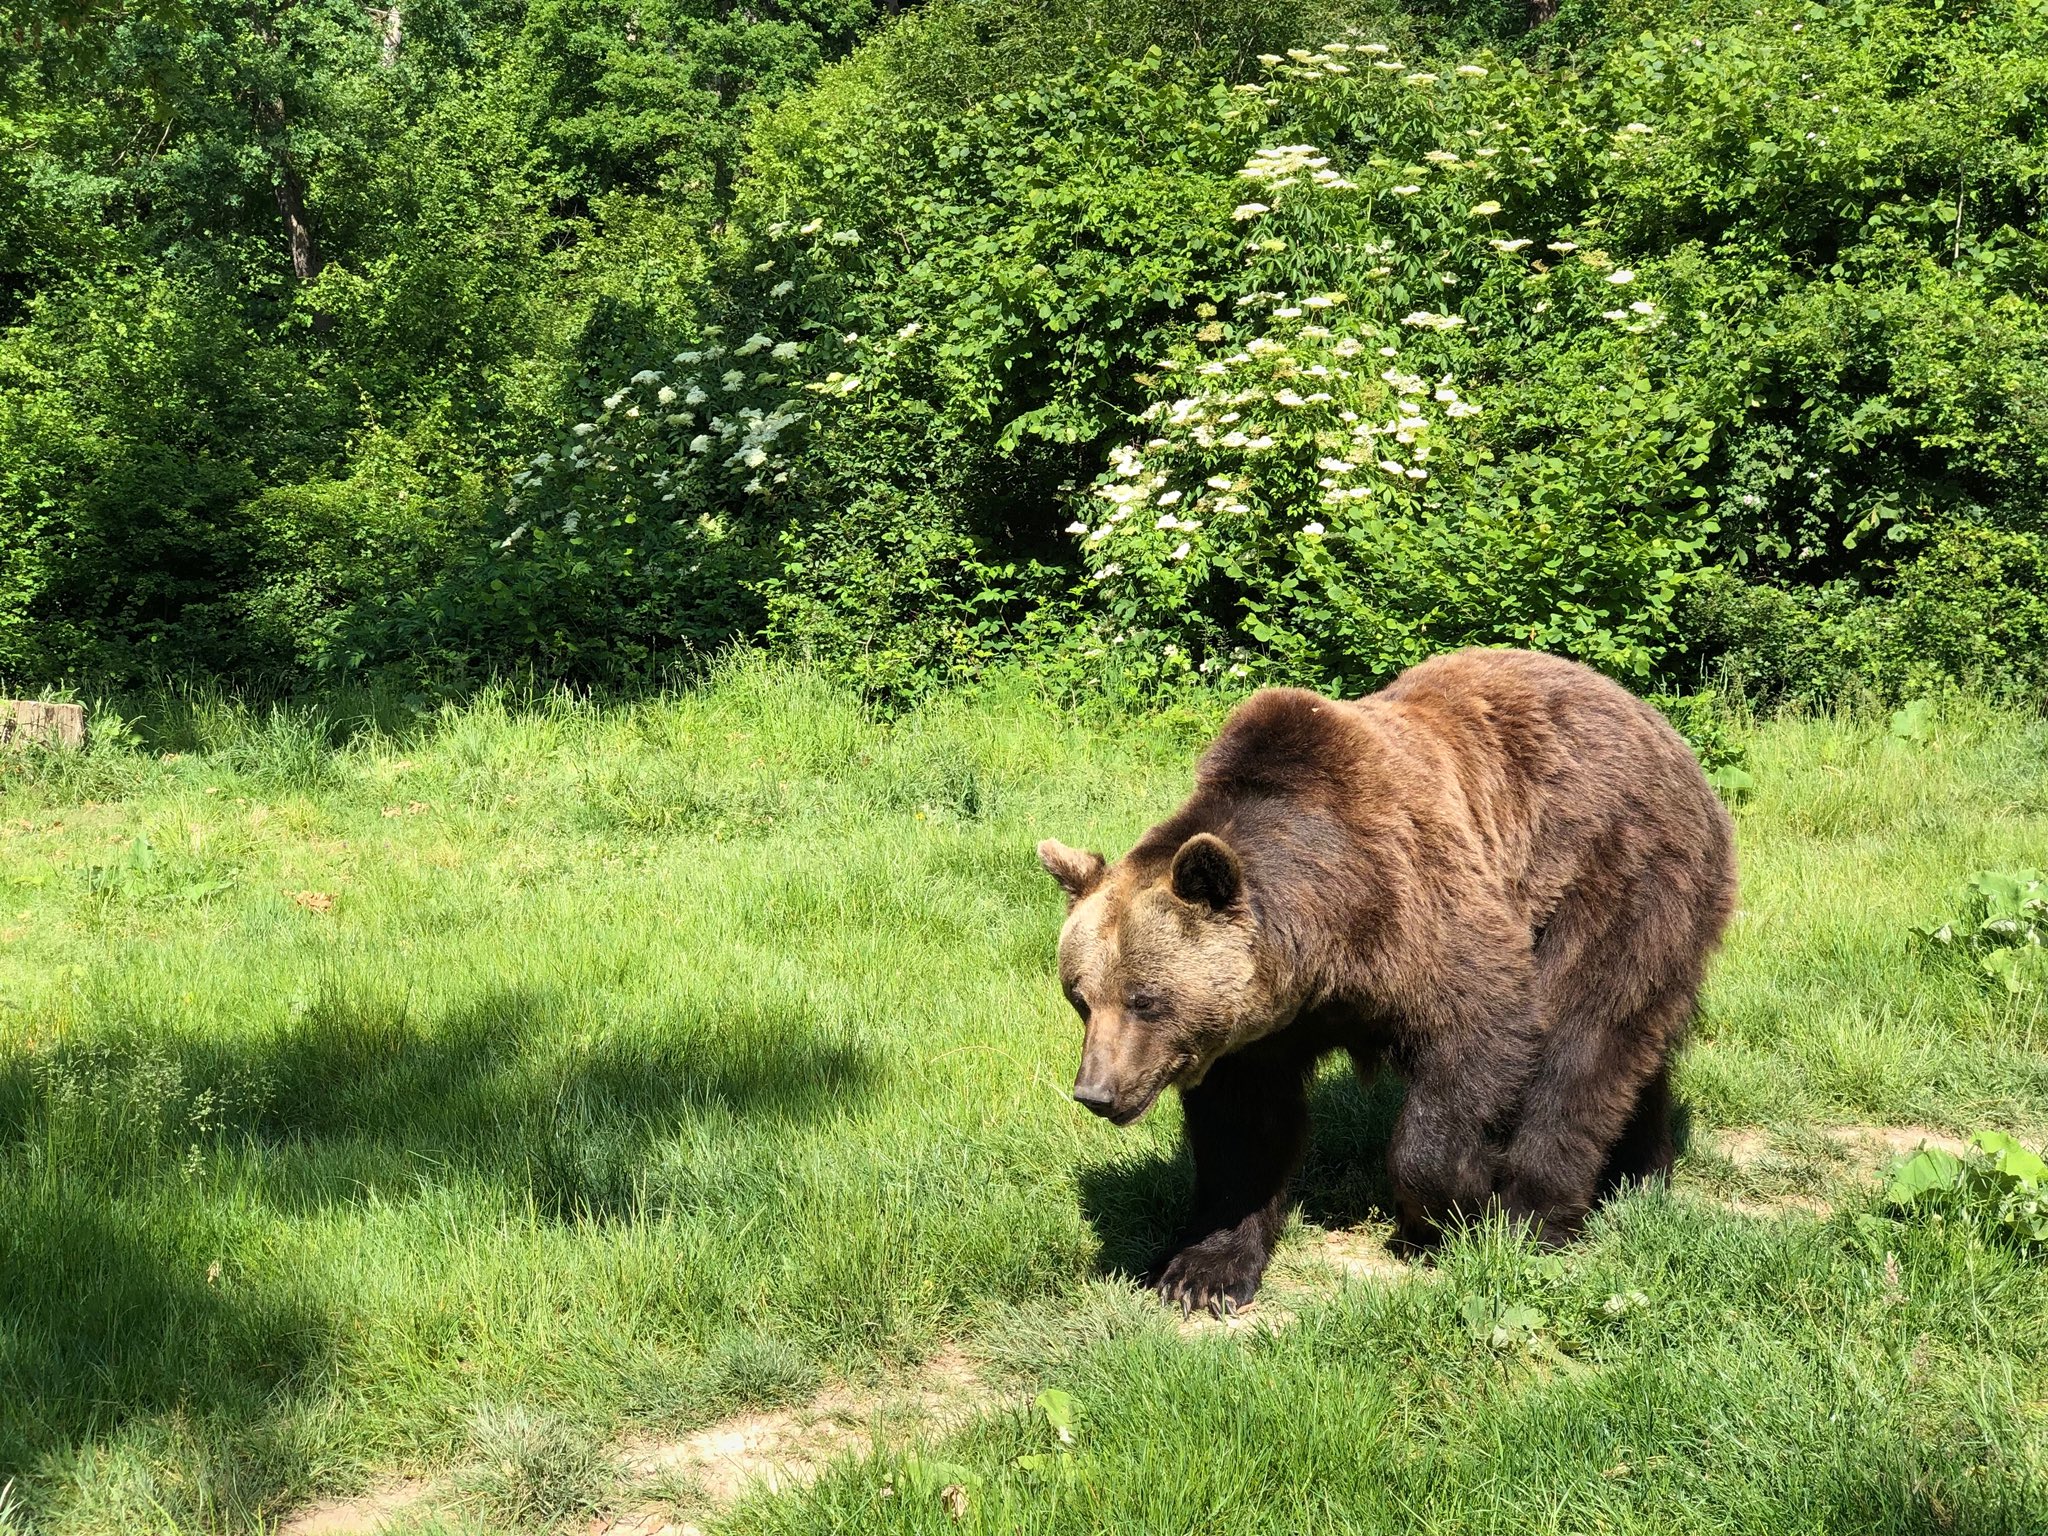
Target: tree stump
x,y
23,721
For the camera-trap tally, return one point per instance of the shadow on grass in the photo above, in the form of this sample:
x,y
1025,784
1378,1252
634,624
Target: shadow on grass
x,y
134,1167
503,1089
354,1096
1136,1207
117,1310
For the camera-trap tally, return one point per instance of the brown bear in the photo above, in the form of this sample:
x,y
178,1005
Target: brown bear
x,y
1502,875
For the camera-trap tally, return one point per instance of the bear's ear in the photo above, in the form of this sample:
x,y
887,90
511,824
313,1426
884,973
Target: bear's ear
x,y
1077,872
1206,873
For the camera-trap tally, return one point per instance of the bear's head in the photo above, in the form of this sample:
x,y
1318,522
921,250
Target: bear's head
x,y
1164,966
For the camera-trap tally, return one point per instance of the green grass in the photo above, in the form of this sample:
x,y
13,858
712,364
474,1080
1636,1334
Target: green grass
x,y
650,1062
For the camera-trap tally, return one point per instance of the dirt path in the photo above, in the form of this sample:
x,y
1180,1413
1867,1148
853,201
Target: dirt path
x,y
787,1447
1810,1169
1765,1173
711,1469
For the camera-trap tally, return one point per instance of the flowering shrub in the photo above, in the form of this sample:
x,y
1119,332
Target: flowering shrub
x,y
662,508
1368,356
635,508
960,295
1323,497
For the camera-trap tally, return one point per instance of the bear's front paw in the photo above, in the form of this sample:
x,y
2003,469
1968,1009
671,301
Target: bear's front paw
x,y
1220,1274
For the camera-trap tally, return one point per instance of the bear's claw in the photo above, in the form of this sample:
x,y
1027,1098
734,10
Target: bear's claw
x,y
1218,1278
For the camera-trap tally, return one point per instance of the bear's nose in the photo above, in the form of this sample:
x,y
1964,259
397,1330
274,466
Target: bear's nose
x,y
1095,1096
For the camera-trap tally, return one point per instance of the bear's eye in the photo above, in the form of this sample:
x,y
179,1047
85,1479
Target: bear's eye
x,y
1141,1003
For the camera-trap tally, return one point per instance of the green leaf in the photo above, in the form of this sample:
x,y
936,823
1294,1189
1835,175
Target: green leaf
x,y
1548,1352
1731,781
928,1474
2007,966
1058,1408
1926,1171
2012,1159
1874,1234
1478,1312
1914,723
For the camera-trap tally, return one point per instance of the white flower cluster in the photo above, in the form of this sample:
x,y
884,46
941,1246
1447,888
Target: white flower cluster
x,y
1335,59
740,437
1290,164
744,392
1255,422
1287,396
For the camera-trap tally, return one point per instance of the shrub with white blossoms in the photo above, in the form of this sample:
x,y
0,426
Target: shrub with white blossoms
x,y
1321,493
1276,465
672,443
710,437
656,509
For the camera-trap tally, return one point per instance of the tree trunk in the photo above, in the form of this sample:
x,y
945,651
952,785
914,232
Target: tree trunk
x,y
298,224
272,124
394,34
291,192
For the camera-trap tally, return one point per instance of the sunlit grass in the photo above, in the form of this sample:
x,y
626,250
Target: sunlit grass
x,y
370,1086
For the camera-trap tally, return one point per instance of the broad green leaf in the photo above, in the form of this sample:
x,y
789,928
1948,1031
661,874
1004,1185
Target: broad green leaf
x,y
2012,1159
1058,1408
1914,723
1732,781
1927,1170
2006,965
1479,1314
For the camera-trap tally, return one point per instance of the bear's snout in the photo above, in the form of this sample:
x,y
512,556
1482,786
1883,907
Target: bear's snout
x,y
1120,1074
1120,1103
1097,1096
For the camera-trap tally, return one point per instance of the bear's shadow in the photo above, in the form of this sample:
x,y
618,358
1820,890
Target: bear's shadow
x,y
1136,1205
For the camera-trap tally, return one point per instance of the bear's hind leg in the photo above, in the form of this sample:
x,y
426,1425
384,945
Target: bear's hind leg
x,y
1645,1151
1464,1082
1247,1127
1595,1075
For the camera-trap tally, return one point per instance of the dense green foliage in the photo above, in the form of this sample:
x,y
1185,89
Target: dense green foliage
x,y
223,448
1292,342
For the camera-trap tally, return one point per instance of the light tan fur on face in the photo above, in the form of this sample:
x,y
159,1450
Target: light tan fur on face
x,y
1164,985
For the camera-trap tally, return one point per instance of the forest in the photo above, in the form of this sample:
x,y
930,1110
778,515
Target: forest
x,y
1138,345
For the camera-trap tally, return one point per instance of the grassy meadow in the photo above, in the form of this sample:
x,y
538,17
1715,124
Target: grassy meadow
x,y
537,1074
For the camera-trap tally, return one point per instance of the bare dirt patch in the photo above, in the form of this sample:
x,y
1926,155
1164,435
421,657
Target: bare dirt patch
x,y
1894,1140
1870,1145
712,1468
1809,1169
642,1525
1264,1312
360,1516
1363,1255
788,1447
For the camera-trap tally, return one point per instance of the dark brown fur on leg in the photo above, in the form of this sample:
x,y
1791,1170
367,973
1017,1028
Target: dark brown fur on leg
x,y
1466,1072
1645,1151
1588,1094
1618,966
1247,1127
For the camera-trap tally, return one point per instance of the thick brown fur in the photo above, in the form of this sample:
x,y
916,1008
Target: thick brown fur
x,y
1502,875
